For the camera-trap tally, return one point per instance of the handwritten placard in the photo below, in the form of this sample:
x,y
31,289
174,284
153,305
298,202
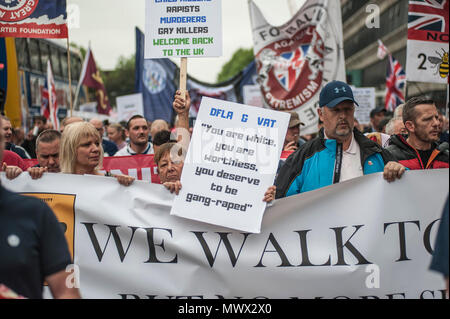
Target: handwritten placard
x,y
231,161
177,28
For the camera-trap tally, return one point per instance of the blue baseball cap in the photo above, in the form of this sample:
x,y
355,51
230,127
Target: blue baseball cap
x,y
334,93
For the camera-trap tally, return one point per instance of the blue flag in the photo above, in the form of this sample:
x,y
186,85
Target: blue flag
x,y
155,80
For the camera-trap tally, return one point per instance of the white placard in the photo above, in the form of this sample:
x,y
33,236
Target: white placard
x,y
427,61
252,95
89,107
129,105
183,29
366,101
231,161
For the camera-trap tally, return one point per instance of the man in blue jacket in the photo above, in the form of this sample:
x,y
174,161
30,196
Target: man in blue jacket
x,y
339,153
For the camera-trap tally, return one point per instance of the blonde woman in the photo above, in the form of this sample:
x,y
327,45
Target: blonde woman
x,y
81,152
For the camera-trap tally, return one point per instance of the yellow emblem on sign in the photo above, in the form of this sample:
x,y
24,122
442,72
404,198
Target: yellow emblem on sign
x,y
63,206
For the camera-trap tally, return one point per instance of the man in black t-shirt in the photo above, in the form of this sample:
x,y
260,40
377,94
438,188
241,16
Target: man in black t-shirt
x,y
33,248
420,150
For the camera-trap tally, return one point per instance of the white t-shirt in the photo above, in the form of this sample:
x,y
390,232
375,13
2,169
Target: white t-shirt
x,y
126,151
351,161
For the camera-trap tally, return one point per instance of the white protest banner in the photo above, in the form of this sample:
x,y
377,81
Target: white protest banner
x,y
178,28
129,105
363,238
365,97
231,162
90,107
427,47
252,95
294,61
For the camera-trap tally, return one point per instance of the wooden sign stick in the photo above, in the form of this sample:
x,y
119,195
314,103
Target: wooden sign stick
x,y
183,75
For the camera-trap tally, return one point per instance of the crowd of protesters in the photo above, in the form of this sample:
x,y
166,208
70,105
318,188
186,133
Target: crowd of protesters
x,y
415,136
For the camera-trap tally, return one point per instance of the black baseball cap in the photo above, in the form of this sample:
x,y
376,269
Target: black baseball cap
x,y
334,93
377,110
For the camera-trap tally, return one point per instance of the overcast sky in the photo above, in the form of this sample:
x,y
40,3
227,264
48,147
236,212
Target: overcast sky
x,y
109,26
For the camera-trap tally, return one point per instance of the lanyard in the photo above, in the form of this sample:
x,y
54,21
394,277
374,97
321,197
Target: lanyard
x,y
338,166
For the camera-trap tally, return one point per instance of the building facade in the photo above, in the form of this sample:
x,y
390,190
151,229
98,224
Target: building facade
x,y
364,22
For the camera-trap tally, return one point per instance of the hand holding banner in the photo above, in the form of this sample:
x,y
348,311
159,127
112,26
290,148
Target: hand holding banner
x,y
358,239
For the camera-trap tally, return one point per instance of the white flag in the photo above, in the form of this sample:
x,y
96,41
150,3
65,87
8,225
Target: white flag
x,y
52,102
296,60
382,50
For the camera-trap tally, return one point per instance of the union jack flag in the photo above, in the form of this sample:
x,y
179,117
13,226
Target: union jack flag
x,y
427,16
45,108
290,67
395,82
49,105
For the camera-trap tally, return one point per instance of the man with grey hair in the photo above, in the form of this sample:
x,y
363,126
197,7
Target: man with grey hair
x,y
396,126
158,126
398,112
339,153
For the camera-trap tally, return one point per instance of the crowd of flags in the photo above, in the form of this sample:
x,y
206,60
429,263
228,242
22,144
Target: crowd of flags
x,y
49,104
395,79
424,16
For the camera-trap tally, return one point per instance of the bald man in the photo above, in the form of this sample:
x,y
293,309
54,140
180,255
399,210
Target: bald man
x,y
109,147
158,126
69,120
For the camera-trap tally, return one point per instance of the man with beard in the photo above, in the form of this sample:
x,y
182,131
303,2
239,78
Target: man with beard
x,y
137,131
420,149
293,141
339,153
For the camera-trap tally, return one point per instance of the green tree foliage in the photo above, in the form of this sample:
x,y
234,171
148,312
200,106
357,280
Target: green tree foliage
x,y
240,59
82,49
120,81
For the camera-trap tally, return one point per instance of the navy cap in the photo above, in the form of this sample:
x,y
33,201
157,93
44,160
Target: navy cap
x,y
379,109
334,93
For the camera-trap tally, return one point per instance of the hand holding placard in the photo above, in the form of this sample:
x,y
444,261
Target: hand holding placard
x,y
231,164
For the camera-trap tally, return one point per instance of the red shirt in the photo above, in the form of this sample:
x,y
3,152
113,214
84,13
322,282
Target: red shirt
x,y
12,159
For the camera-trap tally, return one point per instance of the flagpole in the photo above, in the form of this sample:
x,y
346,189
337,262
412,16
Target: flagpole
x,y
70,74
446,105
406,90
50,94
183,76
24,101
82,74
